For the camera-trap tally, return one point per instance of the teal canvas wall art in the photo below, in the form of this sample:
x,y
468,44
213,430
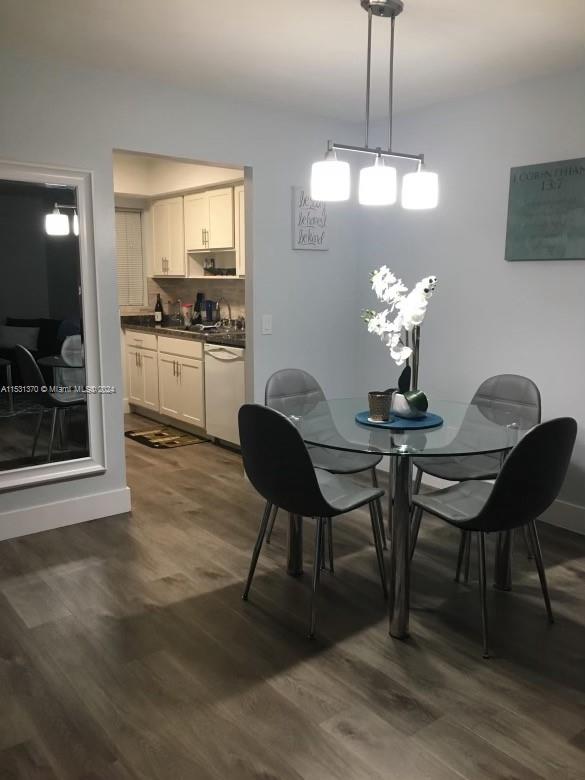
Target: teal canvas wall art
x,y
546,212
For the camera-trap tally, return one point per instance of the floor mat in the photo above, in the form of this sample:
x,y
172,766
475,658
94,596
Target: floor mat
x,y
165,438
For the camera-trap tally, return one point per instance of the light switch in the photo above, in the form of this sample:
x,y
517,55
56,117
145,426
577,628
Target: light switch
x,y
267,324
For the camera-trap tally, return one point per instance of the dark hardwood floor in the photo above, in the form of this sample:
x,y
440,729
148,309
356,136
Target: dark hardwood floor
x,y
126,651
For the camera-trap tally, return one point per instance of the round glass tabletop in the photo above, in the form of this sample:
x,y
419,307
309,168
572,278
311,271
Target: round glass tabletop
x,y
467,429
59,361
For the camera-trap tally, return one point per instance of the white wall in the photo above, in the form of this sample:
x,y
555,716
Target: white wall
x,y
488,316
75,118
153,176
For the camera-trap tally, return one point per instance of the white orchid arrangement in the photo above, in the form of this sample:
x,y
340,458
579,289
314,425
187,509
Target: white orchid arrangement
x,y
405,311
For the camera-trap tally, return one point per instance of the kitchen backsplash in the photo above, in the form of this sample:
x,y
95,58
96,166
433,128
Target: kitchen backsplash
x,y
186,290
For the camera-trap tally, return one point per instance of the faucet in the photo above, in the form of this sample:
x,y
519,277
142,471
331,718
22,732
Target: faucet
x,y
219,302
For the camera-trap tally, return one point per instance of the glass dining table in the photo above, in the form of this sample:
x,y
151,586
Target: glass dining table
x,y
467,429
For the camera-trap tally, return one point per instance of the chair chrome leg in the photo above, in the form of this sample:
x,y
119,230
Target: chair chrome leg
x,y
257,548
319,525
468,539
380,510
52,436
330,543
379,549
271,524
540,568
415,528
460,554
37,432
483,595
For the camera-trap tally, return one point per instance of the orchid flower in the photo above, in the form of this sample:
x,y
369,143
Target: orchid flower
x,y
410,307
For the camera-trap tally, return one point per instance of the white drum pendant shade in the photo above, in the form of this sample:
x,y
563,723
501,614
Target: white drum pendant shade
x,y
57,224
377,185
420,190
330,179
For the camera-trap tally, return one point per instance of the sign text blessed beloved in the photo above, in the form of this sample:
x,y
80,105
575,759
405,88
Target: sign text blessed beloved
x,y
309,221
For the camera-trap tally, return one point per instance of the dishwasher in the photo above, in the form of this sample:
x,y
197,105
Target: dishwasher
x,y
224,391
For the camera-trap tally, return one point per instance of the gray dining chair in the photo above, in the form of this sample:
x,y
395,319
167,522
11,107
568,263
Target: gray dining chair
x,y
293,391
55,402
278,465
505,399
527,484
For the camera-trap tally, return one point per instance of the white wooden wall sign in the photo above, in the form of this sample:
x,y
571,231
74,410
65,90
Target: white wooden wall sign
x,y
309,221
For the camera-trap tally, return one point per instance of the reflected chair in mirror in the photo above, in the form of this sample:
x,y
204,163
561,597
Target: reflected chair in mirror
x,y
278,465
528,482
506,399
56,403
293,391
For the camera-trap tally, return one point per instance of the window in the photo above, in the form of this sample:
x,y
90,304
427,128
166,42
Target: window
x,y
130,258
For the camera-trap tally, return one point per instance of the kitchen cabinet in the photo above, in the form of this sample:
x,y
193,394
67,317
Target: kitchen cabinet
x,y
168,239
240,230
142,377
181,380
209,220
196,212
224,391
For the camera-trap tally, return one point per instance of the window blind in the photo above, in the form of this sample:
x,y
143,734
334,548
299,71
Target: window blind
x,y
130,258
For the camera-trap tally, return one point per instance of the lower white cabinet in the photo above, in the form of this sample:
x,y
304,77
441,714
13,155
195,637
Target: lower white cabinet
x,y
142,377
181,386
178,378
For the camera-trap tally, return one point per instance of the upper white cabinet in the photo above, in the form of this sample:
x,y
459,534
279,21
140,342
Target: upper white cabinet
x,y
209,220
168,239
240,230
196,212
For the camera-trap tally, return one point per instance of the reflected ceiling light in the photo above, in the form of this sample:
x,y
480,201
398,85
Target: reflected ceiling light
x,y
377,184
330,181
56,224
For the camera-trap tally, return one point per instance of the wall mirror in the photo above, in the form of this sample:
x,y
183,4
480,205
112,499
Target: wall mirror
x,y
50,387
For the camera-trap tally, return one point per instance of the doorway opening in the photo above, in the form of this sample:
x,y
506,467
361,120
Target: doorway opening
x,y
183,246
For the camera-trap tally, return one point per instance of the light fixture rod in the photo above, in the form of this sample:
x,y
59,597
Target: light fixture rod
x,y
368,76
420,158
391,82
64,206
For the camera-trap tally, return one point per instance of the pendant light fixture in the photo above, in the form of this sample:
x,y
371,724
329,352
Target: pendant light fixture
x,y
57,224
330,178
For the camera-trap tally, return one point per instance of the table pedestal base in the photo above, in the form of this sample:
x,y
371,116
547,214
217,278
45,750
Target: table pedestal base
x,y
503,563
294,560
399,596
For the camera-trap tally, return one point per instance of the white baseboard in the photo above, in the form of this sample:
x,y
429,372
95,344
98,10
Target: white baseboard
x,y
61,513
566,515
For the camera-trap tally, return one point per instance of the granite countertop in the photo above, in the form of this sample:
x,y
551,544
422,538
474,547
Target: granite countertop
x,y
230,338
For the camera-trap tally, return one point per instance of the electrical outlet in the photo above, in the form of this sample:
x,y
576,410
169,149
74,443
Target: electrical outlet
x,y
267,324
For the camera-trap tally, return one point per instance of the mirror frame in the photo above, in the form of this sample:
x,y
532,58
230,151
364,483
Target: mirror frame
x,y
95,463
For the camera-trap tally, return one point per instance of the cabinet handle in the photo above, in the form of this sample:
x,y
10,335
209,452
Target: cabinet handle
x,y
174,368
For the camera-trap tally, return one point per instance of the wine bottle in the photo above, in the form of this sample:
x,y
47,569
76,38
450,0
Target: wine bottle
x,y
158,311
